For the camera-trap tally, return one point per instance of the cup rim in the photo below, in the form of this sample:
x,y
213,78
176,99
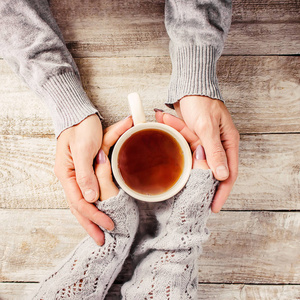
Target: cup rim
x,y
180,183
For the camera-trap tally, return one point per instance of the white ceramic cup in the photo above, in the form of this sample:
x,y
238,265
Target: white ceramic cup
x,y
140,124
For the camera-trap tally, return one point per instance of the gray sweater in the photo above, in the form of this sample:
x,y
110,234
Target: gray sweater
x,y
31,42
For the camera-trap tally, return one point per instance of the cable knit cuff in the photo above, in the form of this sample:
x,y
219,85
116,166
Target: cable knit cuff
x,y
193,73
67,101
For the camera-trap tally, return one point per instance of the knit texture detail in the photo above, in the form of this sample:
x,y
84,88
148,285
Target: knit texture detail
x,y
193,72
91,269
67,101
168,267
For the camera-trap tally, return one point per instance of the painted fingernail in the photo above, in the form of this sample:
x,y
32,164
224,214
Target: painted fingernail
x,y
89,195
158,110
200,153
101,157
222,172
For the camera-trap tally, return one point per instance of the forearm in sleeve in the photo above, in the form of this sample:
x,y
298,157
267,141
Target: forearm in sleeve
x,y
168,262
32,44
197,31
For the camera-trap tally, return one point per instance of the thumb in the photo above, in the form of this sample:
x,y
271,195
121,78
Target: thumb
x,y
85,176
103,172
215,153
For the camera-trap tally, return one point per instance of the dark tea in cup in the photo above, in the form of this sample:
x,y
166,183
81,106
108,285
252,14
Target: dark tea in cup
x,y
150,161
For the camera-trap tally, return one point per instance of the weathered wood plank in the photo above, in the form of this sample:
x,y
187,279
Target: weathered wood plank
x,y
269,173
137,28
20,291
17,291
264,89
27,173
268,179
248,247
243,11
248,292
272,11
243,39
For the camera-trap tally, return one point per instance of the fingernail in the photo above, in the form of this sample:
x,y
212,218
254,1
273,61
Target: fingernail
x,y
110,226
222,172
100,243
200,153
128,117
158,110
89,195
101,157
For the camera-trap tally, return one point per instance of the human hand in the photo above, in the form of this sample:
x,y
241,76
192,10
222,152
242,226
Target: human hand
x,y
76,149
212,127
102,165
199,158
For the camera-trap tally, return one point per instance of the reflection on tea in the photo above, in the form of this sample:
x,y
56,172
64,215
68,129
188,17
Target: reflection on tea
x,y
150,161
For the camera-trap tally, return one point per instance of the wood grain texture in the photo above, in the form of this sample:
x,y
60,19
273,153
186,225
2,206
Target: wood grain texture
x,y
19,291
243,39
27,173
268,177
251,242
133,28
252,247
262,93
272,11
248,292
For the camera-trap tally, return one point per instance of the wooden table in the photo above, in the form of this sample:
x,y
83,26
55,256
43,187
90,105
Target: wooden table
x,y
120,47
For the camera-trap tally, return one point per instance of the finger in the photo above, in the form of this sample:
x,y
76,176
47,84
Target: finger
x,y
85,209
92,229
180,126
225,187
85,176
103,172
221,195
199,159
159,115
177,109
113,133
215,153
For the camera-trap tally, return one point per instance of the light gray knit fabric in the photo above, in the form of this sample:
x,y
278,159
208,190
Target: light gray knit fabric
x,y
168,268
197,31
31,42
91,269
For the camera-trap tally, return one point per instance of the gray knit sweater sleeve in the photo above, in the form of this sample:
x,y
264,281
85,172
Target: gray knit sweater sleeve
x,y
197,30
31,42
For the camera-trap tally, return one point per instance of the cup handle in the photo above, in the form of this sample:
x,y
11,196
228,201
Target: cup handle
x,y
136,108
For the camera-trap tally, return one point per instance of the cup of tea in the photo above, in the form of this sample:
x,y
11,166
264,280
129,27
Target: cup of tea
x,y
150,161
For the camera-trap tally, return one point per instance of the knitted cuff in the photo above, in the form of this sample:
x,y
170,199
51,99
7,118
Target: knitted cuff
x,y
193,73
91,269
67,101
124,212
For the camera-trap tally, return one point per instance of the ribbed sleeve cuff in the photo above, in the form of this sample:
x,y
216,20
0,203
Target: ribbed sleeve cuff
x,y
67,101
193,73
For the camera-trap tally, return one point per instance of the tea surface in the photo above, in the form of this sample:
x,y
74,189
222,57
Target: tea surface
x,y
150,161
